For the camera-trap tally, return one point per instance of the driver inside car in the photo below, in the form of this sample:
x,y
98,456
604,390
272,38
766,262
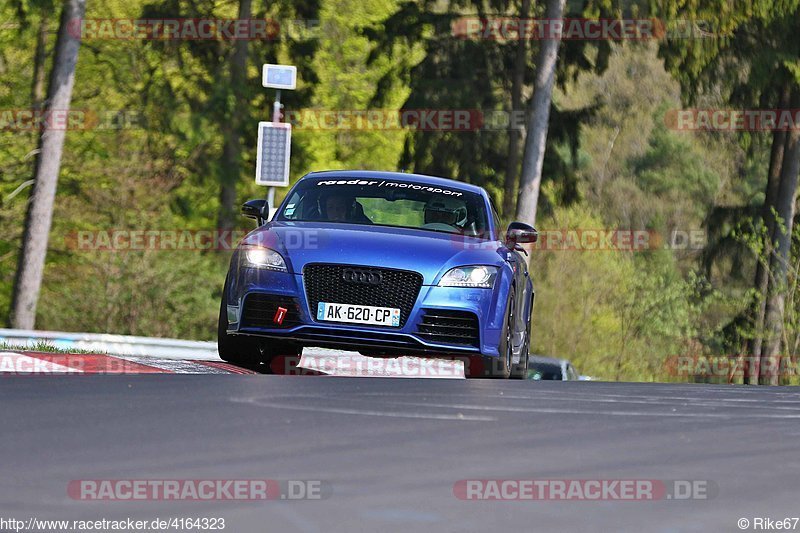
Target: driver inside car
x,y
342,208
445,214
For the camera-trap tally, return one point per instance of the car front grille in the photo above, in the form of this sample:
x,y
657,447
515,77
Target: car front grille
x,y
260,311
449,327
379,287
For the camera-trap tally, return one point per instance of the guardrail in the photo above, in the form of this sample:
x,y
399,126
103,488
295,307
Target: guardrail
x,y
112,344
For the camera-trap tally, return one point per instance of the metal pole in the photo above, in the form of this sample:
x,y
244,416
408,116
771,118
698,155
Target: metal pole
x,y
276,107
276,118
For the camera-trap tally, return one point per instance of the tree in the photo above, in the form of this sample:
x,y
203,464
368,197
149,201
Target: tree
x,y
24,11
231,126
38,220
756,39
39,77
218,86
762,266
480,71
514,134
781,239
538,120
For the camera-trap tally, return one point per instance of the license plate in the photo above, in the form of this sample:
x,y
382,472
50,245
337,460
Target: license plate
x,y
358,314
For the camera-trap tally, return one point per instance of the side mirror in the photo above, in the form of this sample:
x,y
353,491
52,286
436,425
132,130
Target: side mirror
x,y
519,233
256,209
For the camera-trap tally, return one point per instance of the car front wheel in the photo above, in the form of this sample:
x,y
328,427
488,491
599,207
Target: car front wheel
x,y
520,370
235,349
254,353
497,367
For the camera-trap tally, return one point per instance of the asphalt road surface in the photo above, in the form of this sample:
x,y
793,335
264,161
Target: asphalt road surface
x,y
389,453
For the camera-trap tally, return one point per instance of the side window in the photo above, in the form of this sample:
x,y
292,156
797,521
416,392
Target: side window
x,y
292,208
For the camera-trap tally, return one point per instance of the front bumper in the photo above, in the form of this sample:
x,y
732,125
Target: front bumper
x,y
299,324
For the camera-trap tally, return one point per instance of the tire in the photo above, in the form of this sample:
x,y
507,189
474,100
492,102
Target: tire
x,y
234,349
498,367
520,370
250,352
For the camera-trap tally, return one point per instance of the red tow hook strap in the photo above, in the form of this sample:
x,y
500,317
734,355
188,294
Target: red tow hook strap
x,y
280,314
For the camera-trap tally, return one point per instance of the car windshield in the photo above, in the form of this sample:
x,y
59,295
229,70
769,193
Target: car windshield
x,y
393,203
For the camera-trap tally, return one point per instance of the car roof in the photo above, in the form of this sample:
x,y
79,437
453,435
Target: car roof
x,y
380,174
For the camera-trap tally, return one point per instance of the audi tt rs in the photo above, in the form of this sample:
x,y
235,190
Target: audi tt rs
x,y
385,263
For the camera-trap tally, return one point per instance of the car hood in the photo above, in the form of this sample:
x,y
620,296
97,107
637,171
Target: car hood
x,y
426,252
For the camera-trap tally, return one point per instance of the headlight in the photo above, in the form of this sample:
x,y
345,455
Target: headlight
x,y
470,276
264,258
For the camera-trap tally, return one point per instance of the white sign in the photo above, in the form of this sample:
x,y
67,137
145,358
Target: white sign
x,y
272,154
279,76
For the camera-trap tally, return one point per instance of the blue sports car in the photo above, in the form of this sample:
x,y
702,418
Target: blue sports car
x,y
384,263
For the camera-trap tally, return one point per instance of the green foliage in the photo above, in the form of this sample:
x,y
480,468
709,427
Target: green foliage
x,y
465,74
347,83
674,170
159,293
621,315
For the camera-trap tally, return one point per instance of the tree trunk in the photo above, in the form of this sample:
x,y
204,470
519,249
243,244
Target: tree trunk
x,y
779,259
536,138
762,269
39,57
39,217
231,164
514,134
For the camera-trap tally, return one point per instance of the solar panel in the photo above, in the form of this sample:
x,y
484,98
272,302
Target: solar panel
x,y
279,76
274,148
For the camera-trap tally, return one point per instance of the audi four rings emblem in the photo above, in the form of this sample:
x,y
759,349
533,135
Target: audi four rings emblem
x,y
357,275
